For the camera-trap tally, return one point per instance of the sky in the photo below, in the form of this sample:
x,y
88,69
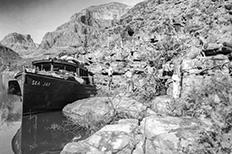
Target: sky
x,y
37,17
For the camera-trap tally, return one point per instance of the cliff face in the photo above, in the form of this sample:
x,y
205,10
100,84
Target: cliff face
x,y
173,25
151,30
7,55
212,19
101,16
171,28
18,42
76,32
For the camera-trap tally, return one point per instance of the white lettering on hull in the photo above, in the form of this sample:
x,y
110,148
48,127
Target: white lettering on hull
x,y
38,83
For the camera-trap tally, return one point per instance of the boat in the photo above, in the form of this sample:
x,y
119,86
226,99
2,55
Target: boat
x,y
50,84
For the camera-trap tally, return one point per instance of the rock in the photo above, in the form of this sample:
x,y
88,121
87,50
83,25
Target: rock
x,y
105,108
161,105
98,107
170,134
18,42
193,53
131,107
80,147
116,138
139,147
213,46
199,72
170,143
205,65
153,126
154,135
122,127
101,15
125,121
193,82
8,55
84,27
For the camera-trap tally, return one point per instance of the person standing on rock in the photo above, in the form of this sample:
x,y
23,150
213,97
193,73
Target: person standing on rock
x,y
150,71
177,79
129,80
110,75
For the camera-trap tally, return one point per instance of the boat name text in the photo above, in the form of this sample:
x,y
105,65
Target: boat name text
x,y
38,83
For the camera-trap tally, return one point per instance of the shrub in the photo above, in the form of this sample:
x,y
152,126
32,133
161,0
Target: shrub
x,y
214,102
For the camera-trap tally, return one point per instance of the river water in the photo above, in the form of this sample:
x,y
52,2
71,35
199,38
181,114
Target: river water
x,y
44,133
7,132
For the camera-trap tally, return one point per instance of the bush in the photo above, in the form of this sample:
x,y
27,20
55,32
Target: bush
x,y
214,102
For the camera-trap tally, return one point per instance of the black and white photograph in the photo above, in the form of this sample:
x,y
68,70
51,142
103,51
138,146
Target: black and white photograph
x,y
115,77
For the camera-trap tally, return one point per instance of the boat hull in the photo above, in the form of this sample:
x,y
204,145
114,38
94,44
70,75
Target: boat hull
x,y
43,93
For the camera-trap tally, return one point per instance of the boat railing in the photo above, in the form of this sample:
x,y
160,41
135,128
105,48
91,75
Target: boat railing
x,y
63,74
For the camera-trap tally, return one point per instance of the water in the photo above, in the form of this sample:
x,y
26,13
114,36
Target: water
x,y
7,131
45,133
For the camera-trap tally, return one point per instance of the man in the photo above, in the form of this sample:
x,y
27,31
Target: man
x,y
130,82
150,70
110,75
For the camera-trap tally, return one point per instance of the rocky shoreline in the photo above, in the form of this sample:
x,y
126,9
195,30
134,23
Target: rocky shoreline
x,y
147,132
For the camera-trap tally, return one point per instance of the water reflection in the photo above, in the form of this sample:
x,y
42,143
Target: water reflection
x,y
45,133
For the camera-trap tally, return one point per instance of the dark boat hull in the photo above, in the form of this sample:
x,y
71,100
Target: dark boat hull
x,y
43,93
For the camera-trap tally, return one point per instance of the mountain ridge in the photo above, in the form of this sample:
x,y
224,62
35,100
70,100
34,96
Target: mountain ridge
x,y
18,42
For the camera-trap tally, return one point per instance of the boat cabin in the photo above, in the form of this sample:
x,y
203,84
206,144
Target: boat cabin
x,y
76,69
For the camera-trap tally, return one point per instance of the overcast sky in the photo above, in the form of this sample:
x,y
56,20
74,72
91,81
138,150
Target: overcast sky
x,y
36,17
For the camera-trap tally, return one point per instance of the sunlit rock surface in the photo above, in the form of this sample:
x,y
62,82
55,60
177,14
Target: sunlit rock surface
x,y
154,135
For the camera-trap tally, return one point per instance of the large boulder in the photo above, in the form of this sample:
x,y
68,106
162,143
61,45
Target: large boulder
x,y
117,138
168,135
81,147
130,106
98,107
161,105
152,126
105,108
